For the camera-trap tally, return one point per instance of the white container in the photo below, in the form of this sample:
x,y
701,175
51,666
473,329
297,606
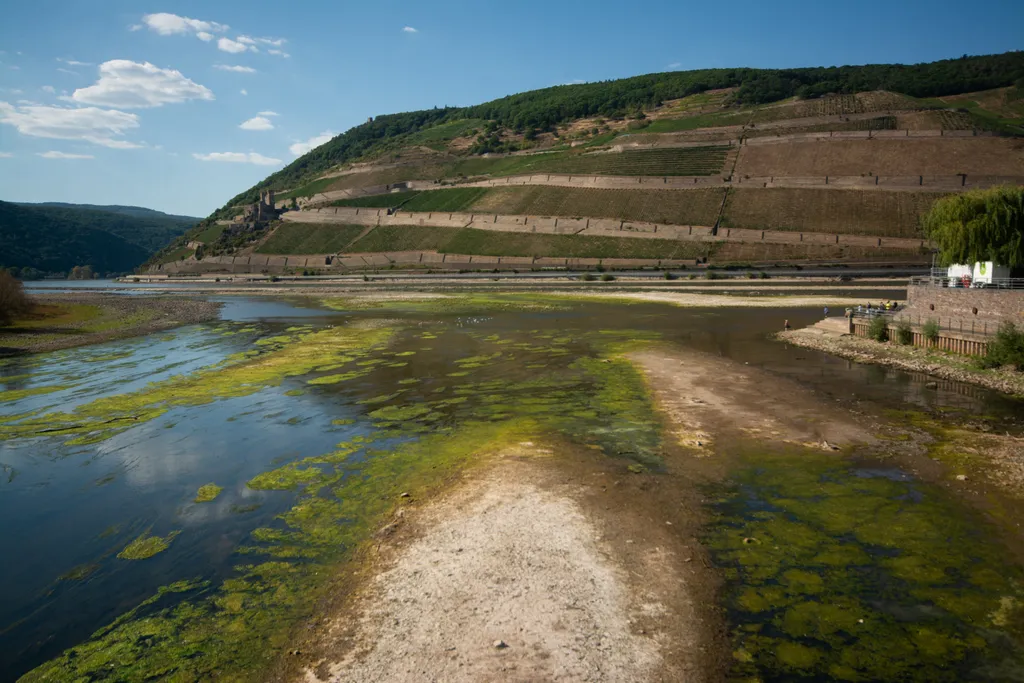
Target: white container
x,y
987,273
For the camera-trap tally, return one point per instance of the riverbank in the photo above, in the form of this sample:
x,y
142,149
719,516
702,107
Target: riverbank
x,y
65,320
910,358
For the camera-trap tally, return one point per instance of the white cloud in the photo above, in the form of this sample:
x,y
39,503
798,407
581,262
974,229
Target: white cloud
x,y
279,53
300,148
238,158
128,84
63,155
675,65
99,126
14,68
6,155
268,113
74,62
50,89
67,71
409,29
247,40
236,69
233,46
205,37
244,91
170,24
257,123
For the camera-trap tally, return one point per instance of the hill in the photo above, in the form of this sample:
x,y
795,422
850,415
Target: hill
x,y
55,238
740,165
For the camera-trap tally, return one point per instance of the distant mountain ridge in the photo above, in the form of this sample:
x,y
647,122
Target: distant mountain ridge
x,y
138,211
55,237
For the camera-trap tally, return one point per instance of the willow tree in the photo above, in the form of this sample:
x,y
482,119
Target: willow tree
x,y
980,225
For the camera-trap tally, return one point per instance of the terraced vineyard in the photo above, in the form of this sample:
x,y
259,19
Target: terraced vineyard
x,y
302,238
658,162
683,207
885,214
490,243
450,199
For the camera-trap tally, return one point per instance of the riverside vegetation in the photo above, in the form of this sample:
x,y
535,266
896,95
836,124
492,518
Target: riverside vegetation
x,y
392,396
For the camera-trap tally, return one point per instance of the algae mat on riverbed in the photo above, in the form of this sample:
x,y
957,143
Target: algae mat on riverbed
x,y
409,392
430,392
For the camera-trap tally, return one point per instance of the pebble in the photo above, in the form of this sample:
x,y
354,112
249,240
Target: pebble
x,y
961,477
500,644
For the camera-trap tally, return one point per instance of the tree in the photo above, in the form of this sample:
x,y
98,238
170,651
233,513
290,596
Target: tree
x,y
980,225
12,298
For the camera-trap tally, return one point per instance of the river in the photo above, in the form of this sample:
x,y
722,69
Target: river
x,y
282,402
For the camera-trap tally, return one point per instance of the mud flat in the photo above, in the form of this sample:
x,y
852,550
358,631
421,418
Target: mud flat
x,y
61,321
910,358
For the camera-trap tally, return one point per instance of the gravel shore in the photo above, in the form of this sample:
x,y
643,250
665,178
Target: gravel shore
x,y
914,359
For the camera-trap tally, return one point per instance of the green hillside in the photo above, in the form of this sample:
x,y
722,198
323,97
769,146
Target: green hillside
x,y
58,238
143,227
543,110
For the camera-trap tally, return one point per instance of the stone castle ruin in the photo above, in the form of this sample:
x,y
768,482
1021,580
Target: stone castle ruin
x,y
261,211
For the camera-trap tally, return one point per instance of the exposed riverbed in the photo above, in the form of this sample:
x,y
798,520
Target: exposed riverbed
x,y
311,418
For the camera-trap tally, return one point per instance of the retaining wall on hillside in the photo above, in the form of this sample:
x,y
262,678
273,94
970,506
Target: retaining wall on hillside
x,y
606,227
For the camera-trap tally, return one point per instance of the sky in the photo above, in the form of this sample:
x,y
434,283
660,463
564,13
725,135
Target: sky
x,y
181,105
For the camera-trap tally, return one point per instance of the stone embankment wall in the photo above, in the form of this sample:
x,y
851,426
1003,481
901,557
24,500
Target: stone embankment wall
x,y
605,227
972,308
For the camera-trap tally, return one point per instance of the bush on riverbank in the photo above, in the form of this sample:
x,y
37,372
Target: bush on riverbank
x,y
1006,349
930,330
905,334
879,329
12,298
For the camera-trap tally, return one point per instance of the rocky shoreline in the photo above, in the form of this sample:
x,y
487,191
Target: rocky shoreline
x,y
62,321
913,359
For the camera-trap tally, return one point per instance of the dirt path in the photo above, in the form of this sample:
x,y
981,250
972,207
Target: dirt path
x,y
536,568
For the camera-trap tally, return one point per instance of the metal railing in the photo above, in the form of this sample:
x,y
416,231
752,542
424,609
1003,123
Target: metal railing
x,y
967,283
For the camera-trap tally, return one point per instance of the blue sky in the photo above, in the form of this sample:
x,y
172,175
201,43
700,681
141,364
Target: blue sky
x,y
179,106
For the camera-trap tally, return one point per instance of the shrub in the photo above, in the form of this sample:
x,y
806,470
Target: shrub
x,y
1007,348
879,329
763,275
607,277
12,298
904,334
712,275
669,276
931,331
587,277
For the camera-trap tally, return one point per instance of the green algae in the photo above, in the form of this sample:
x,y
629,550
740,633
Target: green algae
x,y
337,499
860,576
241,375
146,546
296,392
79,573
11,395
208,492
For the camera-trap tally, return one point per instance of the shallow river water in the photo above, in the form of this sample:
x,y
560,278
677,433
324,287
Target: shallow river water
x,y
309,419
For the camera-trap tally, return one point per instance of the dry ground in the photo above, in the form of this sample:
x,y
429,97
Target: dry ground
x,y
545,565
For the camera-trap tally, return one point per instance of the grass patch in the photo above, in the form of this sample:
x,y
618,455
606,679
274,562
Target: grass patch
x,y
209,235
308,190
309,238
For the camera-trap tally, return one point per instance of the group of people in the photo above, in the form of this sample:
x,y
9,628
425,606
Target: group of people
x,y
884,306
